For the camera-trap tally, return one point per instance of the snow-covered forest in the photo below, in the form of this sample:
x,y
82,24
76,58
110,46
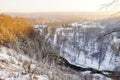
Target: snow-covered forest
x,y
59,40
55,48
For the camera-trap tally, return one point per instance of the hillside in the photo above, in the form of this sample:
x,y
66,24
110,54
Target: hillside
x,y
25,54
71,51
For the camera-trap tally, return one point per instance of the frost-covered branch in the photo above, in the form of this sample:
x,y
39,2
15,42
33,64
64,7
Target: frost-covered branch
x,y
113,4
102,35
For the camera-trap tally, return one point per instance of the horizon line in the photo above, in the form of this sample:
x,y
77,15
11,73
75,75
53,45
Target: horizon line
x,y
64,12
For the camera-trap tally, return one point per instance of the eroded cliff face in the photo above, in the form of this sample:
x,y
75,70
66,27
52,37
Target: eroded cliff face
x,y
81,44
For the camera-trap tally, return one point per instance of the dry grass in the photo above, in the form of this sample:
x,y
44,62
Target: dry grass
x,y
11,28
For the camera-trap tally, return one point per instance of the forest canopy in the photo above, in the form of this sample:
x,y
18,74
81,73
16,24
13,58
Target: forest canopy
x,y
11,28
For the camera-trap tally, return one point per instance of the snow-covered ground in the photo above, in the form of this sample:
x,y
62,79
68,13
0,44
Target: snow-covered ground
x,y
87,25
15,66
77,42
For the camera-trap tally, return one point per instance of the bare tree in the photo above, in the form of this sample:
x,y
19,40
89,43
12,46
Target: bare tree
x,y
112,5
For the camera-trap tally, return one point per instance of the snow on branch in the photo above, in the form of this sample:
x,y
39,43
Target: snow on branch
x,y
114,4
102,35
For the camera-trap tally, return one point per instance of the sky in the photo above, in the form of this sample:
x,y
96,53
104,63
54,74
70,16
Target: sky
x,y
50,5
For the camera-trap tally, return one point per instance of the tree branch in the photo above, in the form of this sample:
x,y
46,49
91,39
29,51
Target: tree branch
x,y
102,35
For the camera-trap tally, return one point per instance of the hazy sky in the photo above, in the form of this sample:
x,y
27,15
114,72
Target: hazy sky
x,y
50,5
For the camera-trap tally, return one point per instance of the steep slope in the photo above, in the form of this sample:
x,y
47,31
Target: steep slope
x,y
15,66
79,43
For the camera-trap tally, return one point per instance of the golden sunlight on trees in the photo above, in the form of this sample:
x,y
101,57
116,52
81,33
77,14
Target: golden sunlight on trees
x,y
11,28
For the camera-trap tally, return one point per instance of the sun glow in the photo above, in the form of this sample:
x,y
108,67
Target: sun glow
x,y
50,5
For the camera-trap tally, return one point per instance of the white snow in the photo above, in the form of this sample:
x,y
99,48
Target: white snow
x,y
72,39
11,66
57,32
87,25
